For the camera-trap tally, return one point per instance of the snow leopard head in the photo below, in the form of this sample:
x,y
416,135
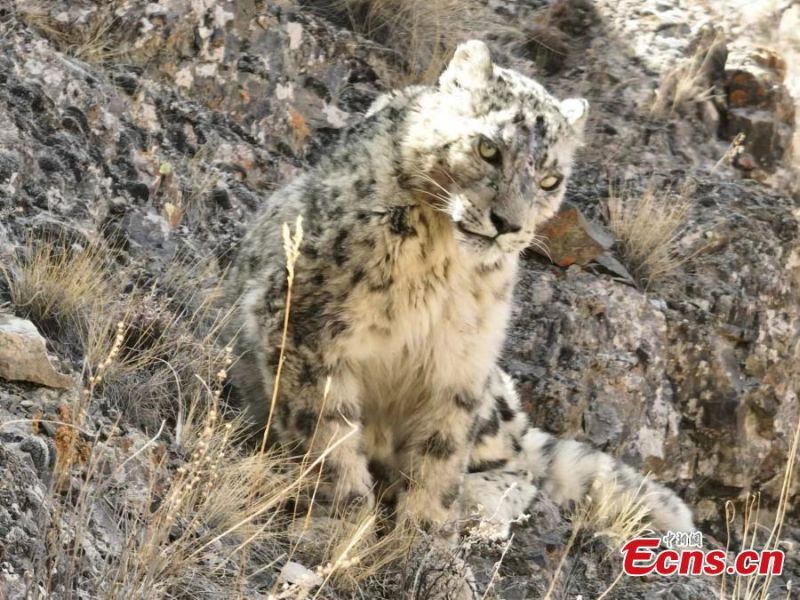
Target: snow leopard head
x,y
492,149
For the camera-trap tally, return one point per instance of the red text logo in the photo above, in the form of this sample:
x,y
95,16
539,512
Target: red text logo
x,y
644,556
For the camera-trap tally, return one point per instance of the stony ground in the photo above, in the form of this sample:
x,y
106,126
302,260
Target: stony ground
x,y
156,129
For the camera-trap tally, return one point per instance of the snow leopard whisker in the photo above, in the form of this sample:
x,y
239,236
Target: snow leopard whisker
x,y
445,202
427,178
540,242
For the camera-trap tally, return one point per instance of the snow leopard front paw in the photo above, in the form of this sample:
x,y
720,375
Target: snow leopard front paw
x,y
348,488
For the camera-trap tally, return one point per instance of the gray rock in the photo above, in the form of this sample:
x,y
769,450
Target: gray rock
x,y
23,521
23,354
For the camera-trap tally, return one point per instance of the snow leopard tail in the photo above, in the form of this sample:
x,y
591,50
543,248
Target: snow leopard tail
x,y
512,461
569,472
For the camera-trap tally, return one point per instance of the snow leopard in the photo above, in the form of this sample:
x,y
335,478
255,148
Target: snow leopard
x,y
413,226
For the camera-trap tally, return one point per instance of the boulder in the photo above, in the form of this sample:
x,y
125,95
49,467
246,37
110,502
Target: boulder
x,y
23,354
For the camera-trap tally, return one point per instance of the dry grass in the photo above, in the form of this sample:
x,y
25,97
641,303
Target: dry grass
x,y
618,516
291,247
422,34
758,587
185,199
171,330
691,83
214,513
186,518
190,521
97,38
649,228
169,352
62,287
610,515
352,555
186,524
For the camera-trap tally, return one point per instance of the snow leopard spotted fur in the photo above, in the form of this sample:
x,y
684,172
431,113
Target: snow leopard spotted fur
x,y
413,225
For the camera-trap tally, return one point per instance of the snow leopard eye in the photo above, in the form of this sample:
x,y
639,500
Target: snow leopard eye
x,y
488,151
550,182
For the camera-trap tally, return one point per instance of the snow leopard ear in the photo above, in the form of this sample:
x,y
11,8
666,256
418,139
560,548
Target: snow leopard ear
x,y
470,67
575,111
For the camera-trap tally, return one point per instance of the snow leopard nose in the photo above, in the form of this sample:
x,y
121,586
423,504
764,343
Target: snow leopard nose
x,y
502,224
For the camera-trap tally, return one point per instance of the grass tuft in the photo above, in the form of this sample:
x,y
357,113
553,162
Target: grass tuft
x,y
95,38
171,332
422,34
691,83
649,228
62,287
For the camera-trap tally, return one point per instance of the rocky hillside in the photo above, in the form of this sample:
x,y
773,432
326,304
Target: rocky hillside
x,y
661,322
